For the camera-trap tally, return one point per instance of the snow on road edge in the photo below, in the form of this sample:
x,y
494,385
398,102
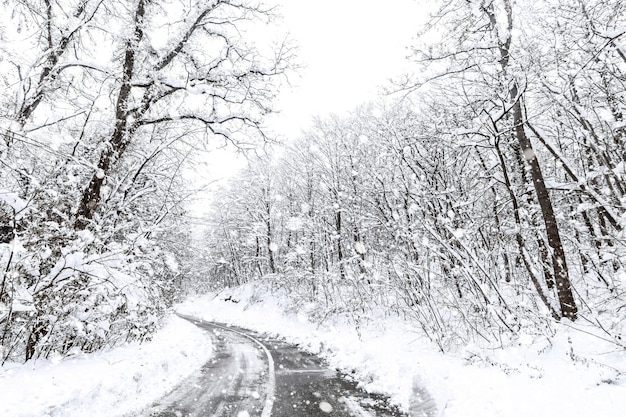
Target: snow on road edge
x,y
118,382
389,356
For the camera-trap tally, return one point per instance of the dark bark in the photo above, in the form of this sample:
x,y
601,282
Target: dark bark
x,y
258,257
270,252
38,332
603,213
268,229
338,226
521,245
559,262
123,127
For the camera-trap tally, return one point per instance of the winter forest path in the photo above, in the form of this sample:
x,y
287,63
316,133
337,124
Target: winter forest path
x,y
254,375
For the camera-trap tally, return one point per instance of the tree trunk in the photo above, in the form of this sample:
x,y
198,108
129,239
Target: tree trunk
x,y
270,248
342,271
123,129
521,244
559,264
268,229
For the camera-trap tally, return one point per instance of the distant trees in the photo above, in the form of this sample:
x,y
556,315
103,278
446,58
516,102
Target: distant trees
x,y
485,204
103,104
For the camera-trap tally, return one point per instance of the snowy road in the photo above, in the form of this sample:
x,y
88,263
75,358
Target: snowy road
x,y
235,382
252,375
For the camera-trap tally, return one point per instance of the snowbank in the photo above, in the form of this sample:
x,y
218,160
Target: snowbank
x,y
121,381
576,374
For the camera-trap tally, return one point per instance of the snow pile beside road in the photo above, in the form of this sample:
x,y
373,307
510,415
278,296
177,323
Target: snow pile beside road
x,y
121,381
575,374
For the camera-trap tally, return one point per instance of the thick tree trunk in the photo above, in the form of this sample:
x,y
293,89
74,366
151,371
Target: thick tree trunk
x,y
559,264
123,129
521,244
342,271
270,247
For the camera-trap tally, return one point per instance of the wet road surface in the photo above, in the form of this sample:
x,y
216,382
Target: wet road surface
x,y
232,383
252,375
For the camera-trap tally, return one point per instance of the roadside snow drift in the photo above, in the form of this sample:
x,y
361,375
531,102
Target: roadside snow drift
x,y
576,374
118,382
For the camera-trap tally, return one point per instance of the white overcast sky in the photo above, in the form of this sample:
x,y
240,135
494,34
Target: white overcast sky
x,y
348,48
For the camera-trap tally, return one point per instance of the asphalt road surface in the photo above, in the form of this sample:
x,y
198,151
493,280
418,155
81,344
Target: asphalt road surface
x,y
251,375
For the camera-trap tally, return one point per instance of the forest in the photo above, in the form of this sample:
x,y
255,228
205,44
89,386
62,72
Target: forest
x,y
481,197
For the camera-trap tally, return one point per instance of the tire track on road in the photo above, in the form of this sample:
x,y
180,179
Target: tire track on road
x,y
295,384
271,384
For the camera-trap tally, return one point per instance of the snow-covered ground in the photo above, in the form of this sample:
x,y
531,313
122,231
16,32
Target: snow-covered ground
x,y
118,382
577,375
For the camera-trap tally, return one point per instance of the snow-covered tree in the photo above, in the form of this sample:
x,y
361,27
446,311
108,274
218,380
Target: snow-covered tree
x,y
104,103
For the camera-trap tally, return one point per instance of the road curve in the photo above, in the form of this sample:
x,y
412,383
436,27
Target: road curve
x,y
252,375
234,383
271,373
